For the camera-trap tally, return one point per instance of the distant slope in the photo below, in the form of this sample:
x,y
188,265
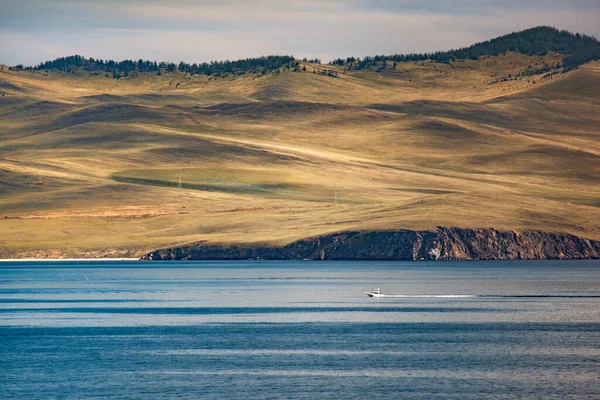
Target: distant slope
x,y
540,40
95,166
577,49
581,86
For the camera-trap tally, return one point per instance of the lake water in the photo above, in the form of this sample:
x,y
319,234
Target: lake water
x,y
143,330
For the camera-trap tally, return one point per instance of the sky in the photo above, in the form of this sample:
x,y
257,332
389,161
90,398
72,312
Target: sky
x,y
32,31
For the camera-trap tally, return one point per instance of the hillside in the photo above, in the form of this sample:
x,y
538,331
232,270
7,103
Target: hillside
x,y
96,166
577,49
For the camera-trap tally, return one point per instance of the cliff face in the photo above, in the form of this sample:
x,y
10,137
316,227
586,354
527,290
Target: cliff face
x,y
442,244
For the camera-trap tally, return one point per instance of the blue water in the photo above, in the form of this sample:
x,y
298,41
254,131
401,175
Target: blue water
x,y
140,330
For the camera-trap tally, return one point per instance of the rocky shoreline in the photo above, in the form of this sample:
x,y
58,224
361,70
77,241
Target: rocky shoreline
x,y
441,244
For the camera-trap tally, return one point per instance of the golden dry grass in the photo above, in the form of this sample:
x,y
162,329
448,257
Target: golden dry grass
x,y
91,165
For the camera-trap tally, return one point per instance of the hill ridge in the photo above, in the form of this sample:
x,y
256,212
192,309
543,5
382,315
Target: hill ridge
x,y
577,48
539,40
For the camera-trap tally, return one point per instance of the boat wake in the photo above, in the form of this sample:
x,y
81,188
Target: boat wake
x,y
418,296
491,296
378,293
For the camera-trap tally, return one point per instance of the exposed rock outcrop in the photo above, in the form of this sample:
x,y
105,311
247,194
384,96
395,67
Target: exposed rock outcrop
x,y
442,244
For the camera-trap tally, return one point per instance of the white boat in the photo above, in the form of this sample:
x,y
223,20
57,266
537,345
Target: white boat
x,y
378,293
375,293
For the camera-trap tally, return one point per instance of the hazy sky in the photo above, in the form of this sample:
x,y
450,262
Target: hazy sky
x,y
194,30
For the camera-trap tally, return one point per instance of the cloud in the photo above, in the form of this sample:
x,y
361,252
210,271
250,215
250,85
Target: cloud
x,y
35,30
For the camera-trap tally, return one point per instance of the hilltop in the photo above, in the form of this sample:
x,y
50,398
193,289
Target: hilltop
x,y
576,48
274,149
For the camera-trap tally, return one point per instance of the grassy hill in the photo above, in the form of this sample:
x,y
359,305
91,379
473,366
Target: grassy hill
x,y
91,165
577,49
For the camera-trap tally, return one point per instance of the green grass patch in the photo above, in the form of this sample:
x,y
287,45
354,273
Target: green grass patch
x,y
271,183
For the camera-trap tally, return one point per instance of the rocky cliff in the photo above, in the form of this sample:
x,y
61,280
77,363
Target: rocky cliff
x,y
442,244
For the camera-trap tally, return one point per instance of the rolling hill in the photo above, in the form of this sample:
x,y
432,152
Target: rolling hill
x,y
96,166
